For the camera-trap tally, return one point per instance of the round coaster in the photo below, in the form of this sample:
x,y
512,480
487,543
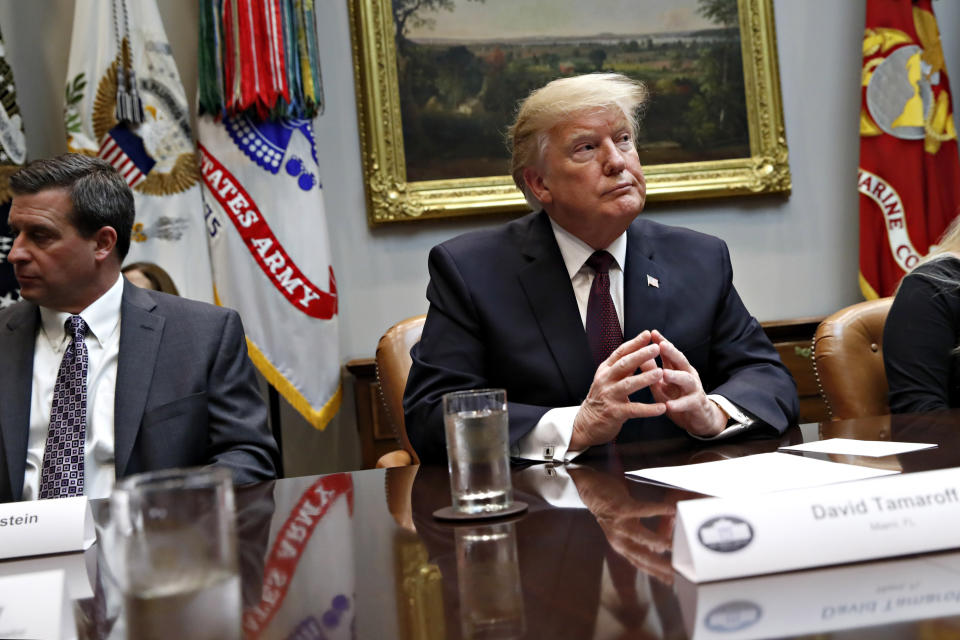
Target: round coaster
x,y
449,515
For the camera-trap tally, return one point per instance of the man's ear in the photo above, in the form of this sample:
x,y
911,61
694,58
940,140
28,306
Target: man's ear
x,y
535,183
106,238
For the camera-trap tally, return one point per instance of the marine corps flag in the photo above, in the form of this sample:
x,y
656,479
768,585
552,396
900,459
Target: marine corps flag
x,y
125,103
909,178
13,153
264,202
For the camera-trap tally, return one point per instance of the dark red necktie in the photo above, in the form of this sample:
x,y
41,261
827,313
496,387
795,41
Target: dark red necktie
x,y
603,327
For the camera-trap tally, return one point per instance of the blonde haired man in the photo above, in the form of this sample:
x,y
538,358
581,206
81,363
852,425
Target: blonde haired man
x,y
600,326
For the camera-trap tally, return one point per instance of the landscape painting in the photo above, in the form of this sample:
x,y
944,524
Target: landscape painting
x,y
463,65
438,83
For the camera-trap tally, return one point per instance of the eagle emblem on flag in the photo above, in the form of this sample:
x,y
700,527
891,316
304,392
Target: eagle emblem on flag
x,y
124,103
13,153
156,157
909,174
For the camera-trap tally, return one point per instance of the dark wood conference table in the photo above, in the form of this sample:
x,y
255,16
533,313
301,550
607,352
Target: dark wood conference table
x,y
359,554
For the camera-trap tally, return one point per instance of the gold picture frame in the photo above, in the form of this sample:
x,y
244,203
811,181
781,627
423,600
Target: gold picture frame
x,y
391,198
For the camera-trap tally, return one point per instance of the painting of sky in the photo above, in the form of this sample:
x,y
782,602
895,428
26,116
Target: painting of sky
x,y
509,19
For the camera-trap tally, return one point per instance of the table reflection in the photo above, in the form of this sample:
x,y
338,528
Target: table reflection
x,y
624,520
823,600
359,555
488,578
308,582
418,581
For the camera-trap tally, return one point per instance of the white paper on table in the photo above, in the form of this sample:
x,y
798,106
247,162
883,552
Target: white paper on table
x,y
73,565
760,473
35,605
850,447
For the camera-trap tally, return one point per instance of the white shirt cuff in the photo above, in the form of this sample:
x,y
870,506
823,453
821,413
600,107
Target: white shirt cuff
x,y
549,440
741,421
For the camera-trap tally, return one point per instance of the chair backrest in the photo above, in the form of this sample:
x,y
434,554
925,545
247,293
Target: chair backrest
x,y
848,360
393,367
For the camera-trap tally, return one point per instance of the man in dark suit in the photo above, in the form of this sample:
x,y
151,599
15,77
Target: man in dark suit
x,y
533,306
165,382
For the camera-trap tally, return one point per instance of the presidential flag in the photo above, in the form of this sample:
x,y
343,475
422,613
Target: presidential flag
x,y
13,153
259,90
909,178
125,103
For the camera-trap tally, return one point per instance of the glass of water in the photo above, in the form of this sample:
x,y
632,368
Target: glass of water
x,y
478,451
171,547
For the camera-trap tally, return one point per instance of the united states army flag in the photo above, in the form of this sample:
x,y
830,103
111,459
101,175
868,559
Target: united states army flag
x,y
125,103
271,258
259,86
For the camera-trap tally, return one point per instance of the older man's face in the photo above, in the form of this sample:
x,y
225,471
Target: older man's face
x,y
589,178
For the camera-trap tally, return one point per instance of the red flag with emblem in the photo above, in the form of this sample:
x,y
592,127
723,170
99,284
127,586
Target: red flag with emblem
x,y
909,178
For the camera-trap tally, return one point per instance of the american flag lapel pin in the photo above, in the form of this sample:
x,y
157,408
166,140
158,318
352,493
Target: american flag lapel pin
x,y
652,282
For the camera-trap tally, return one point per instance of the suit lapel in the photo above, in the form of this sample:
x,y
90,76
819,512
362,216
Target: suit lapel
x,y
645,286
140,333
548,289
17,340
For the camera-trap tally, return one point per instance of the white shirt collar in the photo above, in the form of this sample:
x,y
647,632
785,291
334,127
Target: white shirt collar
x,y
102,317
575,251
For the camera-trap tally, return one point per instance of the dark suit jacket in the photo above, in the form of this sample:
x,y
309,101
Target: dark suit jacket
x,y
503,314
186,392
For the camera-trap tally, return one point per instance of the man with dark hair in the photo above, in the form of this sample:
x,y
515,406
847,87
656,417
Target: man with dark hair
x,y
102,379
99,195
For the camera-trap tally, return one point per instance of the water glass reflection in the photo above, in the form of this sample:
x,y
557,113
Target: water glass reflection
x,y
488,576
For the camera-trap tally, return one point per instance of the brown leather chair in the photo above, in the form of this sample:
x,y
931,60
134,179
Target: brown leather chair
x,y
848,360
393,366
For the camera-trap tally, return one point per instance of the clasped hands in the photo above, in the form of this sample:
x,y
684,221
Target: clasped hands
x,y
676,388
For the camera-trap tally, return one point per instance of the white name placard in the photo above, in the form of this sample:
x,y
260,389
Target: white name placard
x,y
723,538
35,605
822,600
77,573
40,527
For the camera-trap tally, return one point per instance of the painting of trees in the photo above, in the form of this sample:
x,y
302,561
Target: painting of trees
x,y
458,96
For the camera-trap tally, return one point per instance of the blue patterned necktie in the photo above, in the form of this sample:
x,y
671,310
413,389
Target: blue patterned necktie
x,y
62,473
603,327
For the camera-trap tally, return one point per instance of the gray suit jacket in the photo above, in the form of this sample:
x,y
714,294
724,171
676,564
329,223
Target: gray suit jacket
x,y
186,392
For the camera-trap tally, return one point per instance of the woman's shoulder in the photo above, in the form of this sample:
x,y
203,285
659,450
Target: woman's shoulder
x,y
939,275
946,265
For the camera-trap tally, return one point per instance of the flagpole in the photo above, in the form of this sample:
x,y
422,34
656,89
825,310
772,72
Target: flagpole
x,y
274,401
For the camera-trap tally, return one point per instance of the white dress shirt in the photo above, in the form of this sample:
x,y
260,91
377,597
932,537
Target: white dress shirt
x,y
550,437
103,348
